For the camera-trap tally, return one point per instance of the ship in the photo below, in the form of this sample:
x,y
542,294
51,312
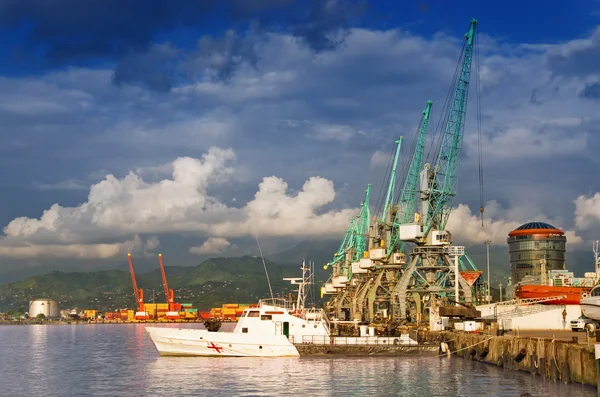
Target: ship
x,y
570,295
560,283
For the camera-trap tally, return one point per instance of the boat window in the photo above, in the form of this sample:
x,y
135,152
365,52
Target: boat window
x,y
254,313
244,330
596,292
266,317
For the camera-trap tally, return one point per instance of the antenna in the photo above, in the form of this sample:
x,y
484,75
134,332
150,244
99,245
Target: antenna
x,y
264,265
596,257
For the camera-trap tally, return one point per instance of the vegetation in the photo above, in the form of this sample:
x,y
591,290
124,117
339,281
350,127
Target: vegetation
x,y
211,283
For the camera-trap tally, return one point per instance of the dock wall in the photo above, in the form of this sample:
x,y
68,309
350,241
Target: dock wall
x,y
553,359
365,350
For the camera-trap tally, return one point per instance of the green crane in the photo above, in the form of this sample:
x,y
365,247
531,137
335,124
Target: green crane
x,y
443,179
407,202
355,240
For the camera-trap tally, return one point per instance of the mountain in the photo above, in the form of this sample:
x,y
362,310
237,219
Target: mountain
x,y
318,251
211,283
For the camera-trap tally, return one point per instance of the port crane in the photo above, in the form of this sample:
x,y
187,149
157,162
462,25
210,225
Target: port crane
x,y
172,314
381,280
431,269
141,313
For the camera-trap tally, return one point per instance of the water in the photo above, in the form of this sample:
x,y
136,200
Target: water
x,y
120,360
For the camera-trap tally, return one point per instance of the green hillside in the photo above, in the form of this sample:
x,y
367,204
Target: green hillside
x,y
213,282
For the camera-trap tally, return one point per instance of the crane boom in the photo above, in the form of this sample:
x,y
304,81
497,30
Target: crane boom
x,y
392,184
169,294
408,193
444,175
138,293
164,276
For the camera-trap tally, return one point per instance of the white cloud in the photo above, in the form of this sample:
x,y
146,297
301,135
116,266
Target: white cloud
x,y
587,210
213,245
466,226
380,158
63,185
117,208
333,132
75,251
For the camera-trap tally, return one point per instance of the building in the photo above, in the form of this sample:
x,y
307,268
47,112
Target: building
x,y
48,307
532,243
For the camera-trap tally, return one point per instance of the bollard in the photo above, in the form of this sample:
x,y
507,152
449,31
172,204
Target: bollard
x,y
519,357
484,353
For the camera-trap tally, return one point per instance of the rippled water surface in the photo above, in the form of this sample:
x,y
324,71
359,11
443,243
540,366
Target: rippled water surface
x,y
120,360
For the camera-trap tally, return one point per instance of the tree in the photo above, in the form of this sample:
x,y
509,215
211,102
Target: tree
x,y
21,310
40,315
10,313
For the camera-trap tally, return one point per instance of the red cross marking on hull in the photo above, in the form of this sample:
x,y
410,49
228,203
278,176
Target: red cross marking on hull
x,y
216,347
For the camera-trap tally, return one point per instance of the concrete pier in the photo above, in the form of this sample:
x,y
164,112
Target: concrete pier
x,y
566,361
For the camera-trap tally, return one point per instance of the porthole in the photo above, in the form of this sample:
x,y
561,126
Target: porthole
x,y
315,325
303,325
260,347
230,345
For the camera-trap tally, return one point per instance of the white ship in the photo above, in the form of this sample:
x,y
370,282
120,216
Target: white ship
x,y
269,330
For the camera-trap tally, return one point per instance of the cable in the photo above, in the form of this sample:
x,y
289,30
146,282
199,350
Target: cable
x,y
264,265
479,136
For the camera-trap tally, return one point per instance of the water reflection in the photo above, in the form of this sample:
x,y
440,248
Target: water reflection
x,y
120,360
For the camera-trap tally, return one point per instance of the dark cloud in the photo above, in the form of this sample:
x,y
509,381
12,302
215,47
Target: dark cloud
x,y
591,91
576,58
221,56
76,32
152,69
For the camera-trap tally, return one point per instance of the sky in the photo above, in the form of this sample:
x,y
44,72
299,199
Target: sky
x,y
190,127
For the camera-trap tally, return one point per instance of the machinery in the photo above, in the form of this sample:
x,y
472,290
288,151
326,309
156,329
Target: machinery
x,y
172,314
141,313
389,269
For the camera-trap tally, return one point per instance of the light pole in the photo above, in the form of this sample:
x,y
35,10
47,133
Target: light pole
x,y
489,290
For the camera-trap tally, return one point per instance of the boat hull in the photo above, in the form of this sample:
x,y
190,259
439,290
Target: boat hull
x,y
572,294
198,342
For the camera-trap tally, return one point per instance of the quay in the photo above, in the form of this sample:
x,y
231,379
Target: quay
x,y
540,353
365,346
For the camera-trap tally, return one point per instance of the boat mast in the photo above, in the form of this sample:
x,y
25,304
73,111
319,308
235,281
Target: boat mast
x,y
596,258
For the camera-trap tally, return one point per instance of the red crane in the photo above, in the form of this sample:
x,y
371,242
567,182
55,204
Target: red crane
x,y
169,293
139,293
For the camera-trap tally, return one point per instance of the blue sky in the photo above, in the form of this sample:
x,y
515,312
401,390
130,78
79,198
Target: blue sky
x,y
189,126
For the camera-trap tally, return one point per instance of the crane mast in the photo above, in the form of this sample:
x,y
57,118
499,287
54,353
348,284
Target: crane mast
x,y
169,293
137,292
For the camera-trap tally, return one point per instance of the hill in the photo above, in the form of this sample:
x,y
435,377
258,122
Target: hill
x,y
318,251
213,282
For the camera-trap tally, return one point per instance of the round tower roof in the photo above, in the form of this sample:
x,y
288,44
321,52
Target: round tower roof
x,y
535,228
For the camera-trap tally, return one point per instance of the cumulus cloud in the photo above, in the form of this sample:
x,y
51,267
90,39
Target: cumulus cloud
x,y
213,245
466,226
116,208
28,250
587,210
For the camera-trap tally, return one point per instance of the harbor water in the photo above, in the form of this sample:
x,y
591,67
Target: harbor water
x,y
120,360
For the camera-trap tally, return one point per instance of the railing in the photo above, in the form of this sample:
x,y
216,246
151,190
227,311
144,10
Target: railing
x,y
402,340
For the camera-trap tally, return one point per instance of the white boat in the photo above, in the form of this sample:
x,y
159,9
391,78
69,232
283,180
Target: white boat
x,y
268,330
590,306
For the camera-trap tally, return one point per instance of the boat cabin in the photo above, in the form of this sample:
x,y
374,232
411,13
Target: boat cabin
x,y
278,317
